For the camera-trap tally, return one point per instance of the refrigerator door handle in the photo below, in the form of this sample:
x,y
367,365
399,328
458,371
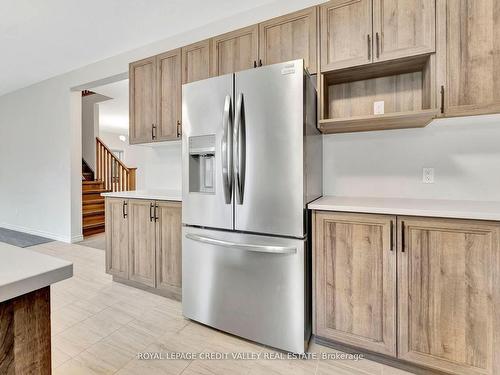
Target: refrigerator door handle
x,y
227,150
243,246
238,150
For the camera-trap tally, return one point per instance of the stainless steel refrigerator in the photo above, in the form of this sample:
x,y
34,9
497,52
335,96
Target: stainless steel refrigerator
x,y
251,161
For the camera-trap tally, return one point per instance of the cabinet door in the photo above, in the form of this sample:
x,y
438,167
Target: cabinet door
x,y
168,247
290,37
448,277
346,33
141,241
355,280
142,100
196,61
472,31
403,28
169,77
116,237
235,51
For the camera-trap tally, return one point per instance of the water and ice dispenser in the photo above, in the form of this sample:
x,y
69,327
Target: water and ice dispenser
x,y
202,164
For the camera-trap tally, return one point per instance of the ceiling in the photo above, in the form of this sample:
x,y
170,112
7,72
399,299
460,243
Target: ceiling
x,y
42,39
113,113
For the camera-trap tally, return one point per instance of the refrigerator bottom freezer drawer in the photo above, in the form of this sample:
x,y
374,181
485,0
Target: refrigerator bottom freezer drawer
x,y
256,287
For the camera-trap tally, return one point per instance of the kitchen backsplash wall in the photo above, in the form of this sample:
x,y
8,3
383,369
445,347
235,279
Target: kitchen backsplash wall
x,y
464,152
158,167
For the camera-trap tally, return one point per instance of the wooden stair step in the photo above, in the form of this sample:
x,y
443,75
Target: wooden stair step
x,y
92,231
93,212
93,223
92,185
92,195
93,201
93,191
93,207
94,228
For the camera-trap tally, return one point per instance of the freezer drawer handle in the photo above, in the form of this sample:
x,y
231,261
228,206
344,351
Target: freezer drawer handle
x,y
243,246
227,151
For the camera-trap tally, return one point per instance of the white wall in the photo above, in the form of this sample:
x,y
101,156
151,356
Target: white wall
x,y
158,167
465,153
40,136
90,126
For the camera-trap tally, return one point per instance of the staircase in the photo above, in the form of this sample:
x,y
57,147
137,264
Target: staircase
x,y
111,175
93,207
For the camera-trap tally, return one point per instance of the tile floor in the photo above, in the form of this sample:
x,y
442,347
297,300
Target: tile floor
x,y
99,327
96,241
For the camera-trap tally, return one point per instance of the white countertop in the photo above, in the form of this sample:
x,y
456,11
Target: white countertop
x,y
480,210
23,271
158,195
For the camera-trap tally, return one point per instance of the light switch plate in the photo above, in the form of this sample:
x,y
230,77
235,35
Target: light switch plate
x,y
428,175
378,108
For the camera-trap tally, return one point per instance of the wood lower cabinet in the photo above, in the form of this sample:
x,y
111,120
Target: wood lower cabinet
x,y
403,28
469,39
142,257
449,300
290,37
169,246
169,91
142,100
116,218
235,51
143,244
196,61
355,280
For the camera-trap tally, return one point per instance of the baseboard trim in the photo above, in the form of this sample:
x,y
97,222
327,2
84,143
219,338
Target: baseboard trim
x,y
380,358
78,238
35,232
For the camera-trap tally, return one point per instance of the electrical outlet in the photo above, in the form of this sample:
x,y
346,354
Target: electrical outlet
x,y
378,108
428,175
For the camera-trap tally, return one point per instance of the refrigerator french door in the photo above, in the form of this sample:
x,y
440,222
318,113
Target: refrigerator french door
x,y
247,139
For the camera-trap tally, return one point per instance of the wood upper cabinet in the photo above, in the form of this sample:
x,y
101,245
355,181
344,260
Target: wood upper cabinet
x,y
196,61
235,51
403,28
168,247
355,280
449,299
346,33
290,37
358,32
117,237
142,242
142,100
168,72
469,37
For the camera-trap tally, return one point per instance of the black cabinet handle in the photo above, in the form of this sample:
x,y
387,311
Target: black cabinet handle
x,y
178,129
151,205
392,235
260,62
254,64
442,99
153,131
369,42
402,236
378,44
156,213
124,209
